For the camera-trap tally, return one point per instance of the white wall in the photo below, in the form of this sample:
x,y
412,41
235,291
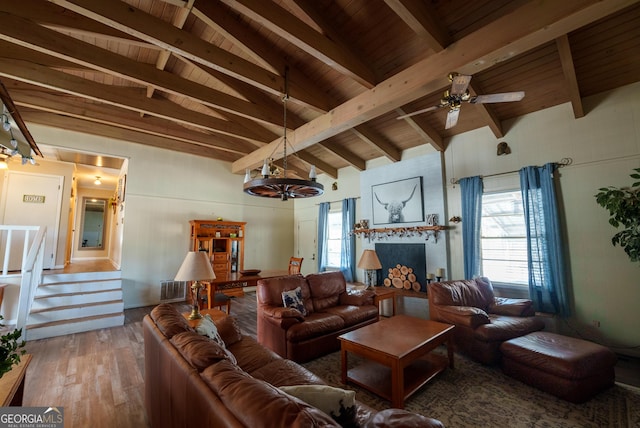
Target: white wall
x,y
429,167
605,147
165,190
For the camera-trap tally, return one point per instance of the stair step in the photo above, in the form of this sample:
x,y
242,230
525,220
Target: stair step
x,y
63,327
75,299
54,309
56,278
77,287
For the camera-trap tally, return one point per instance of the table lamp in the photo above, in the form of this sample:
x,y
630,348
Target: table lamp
x,y
370,263
195,267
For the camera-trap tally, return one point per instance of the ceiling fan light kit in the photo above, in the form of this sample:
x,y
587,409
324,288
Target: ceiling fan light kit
x,y
276,184
458,94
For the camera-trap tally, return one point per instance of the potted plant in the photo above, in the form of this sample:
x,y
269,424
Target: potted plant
x,y
623,204
10,349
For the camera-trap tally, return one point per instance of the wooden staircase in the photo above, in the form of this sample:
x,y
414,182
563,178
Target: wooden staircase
x,y
68,303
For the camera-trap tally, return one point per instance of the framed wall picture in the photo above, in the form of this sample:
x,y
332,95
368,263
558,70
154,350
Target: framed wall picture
x,y
398,201
122,185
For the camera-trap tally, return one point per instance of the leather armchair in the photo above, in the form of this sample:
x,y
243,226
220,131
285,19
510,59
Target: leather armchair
x,y
483,321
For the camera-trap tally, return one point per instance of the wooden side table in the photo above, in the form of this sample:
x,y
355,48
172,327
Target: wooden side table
x,y
12,383
215,314
384,293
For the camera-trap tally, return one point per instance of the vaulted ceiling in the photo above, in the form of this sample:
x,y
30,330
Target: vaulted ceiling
x,y
207,77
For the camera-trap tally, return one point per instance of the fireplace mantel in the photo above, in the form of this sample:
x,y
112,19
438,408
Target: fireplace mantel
x,y
401,232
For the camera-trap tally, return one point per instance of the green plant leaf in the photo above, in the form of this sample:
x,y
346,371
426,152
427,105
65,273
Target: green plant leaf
x,y
623,205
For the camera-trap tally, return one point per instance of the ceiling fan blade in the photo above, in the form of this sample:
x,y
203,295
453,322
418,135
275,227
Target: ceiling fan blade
x,y
424,110
452,118
498,98
459,84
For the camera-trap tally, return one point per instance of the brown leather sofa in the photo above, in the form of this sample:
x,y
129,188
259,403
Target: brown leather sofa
x,y
483,321
190,382
331,311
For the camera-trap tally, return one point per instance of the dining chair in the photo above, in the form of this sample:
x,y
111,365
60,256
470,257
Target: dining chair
x,y
217,299
295,263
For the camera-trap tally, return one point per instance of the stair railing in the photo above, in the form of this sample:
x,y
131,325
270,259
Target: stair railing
x,y
32,264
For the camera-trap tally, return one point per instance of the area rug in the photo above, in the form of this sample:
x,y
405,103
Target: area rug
x,y
473,395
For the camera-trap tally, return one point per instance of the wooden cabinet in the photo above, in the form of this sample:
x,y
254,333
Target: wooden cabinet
x,y
223,241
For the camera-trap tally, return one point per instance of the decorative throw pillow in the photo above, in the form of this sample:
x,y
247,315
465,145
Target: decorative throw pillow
x,y
208,328
293,299
338,403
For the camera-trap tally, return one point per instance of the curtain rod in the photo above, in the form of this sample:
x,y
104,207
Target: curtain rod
x,y
562,163
340,200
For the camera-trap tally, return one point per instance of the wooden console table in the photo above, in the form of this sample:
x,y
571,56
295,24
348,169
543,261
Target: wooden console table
x,y
12,383
232,284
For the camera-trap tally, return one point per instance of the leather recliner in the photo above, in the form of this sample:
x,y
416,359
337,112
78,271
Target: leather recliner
x,y
483,321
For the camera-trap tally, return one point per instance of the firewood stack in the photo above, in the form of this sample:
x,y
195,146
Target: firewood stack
x,y
402,277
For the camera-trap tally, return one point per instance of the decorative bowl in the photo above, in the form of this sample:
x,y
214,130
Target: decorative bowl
x,y
250,272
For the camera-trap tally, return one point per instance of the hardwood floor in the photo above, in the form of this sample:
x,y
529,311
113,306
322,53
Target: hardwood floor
x,y
85,266
98,376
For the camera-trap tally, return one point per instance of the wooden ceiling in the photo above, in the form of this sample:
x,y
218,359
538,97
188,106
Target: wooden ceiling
x,y
207,77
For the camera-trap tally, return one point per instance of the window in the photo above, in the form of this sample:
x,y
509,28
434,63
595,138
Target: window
x,y
334,241
503,238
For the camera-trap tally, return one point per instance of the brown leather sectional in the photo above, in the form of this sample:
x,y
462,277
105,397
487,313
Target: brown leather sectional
x,y
191,382
331,311
483,321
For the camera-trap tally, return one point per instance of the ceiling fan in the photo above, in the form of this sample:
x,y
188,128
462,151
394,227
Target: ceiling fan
x,y
459,93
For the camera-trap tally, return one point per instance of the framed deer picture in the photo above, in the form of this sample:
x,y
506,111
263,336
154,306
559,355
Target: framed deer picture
x,y
398,201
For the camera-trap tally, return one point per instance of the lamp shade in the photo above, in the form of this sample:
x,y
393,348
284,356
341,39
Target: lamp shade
x,y
369,261
195,267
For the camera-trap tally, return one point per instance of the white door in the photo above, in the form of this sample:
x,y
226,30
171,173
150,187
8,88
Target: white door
x,y
307,246
33,200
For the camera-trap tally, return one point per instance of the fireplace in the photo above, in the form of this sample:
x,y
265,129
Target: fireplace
x,y
410,257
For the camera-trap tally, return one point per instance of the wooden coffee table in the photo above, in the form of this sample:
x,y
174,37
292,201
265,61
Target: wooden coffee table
x,y
397,353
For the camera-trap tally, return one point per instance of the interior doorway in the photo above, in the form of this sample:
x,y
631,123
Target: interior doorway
x,y
32,200
306,245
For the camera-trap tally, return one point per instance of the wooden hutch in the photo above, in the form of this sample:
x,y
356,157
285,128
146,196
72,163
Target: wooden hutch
x,y
223,241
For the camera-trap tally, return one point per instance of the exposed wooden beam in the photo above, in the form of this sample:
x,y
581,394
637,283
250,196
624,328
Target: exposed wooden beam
x,y
50,15
516,32
130,20
378,142
17,117
218,17
487,114
98,129
423,21
289,27
127,98
68,106
420,125
566,59
341,151
178,21
17,30
215,15
321,165
311,9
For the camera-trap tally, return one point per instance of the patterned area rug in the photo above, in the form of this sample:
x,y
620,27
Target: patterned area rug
x,y
473,395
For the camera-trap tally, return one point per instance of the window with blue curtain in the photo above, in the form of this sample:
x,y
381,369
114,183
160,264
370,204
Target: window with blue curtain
x,y
545,246
471,194
323,233
348,254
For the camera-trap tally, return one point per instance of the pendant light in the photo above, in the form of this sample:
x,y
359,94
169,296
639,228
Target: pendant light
x,y
274,184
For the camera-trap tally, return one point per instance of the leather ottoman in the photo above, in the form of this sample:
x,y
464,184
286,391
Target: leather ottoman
x,y
569,368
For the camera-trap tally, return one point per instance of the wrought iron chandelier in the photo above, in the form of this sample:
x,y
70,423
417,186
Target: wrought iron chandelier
x,y
273,183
